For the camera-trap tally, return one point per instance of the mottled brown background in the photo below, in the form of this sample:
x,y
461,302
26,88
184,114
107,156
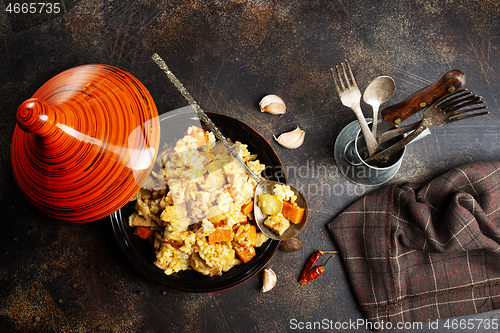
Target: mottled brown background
x,y
57,277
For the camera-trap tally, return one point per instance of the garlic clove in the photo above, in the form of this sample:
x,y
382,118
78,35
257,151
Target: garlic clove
x,y
291,140
272,104
268,280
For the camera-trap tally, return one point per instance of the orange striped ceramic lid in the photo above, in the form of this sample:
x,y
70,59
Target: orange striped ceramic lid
x,y
85,142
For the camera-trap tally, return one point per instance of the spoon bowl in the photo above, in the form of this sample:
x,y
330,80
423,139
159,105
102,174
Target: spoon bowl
x,y
377,93
266,187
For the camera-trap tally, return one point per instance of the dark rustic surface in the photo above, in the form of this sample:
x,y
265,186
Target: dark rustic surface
x,y
57,277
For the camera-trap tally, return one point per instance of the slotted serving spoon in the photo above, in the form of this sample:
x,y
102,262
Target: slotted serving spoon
x,y
263,186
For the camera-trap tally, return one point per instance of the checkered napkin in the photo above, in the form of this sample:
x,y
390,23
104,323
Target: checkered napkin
x,y
415,253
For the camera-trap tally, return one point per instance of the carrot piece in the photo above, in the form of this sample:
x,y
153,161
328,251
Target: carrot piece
x,y
199,134
246,235
292,212
252,235
247,208
143,232
218,221
245,253
221,235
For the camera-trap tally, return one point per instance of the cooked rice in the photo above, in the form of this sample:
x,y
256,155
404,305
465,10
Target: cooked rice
x,y
205,184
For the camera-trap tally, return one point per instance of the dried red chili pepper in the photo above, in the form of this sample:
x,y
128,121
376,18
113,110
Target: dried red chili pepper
x,y
309,264
315,272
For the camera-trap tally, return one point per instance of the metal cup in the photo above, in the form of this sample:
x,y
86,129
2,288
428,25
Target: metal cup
x,y
346,151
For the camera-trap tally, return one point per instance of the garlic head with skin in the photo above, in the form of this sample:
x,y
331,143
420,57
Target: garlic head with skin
x,y
291,140
268,280
272,104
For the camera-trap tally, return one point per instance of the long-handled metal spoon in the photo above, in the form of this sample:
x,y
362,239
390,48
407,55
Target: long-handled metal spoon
x,y
377,93
263,186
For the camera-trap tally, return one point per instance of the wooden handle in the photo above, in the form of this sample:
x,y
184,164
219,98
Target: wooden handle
x,y
421,99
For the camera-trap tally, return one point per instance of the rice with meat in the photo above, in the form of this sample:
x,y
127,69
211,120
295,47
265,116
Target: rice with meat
x,y
198,202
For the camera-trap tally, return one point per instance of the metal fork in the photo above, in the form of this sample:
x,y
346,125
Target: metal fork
x,y
438,114
393,133
350,96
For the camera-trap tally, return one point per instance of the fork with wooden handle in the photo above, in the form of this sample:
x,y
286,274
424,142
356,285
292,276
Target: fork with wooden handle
x,y
438,114
391,134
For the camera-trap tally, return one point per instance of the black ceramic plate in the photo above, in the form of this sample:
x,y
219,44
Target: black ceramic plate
x,y
139,252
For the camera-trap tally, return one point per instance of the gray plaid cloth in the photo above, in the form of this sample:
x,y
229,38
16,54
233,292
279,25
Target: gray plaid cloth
x,y
416,252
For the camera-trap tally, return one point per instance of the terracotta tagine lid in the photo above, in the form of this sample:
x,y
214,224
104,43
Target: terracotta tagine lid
x,y
85,143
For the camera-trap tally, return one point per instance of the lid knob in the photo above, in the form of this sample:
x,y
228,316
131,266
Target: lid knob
x,y
35,116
